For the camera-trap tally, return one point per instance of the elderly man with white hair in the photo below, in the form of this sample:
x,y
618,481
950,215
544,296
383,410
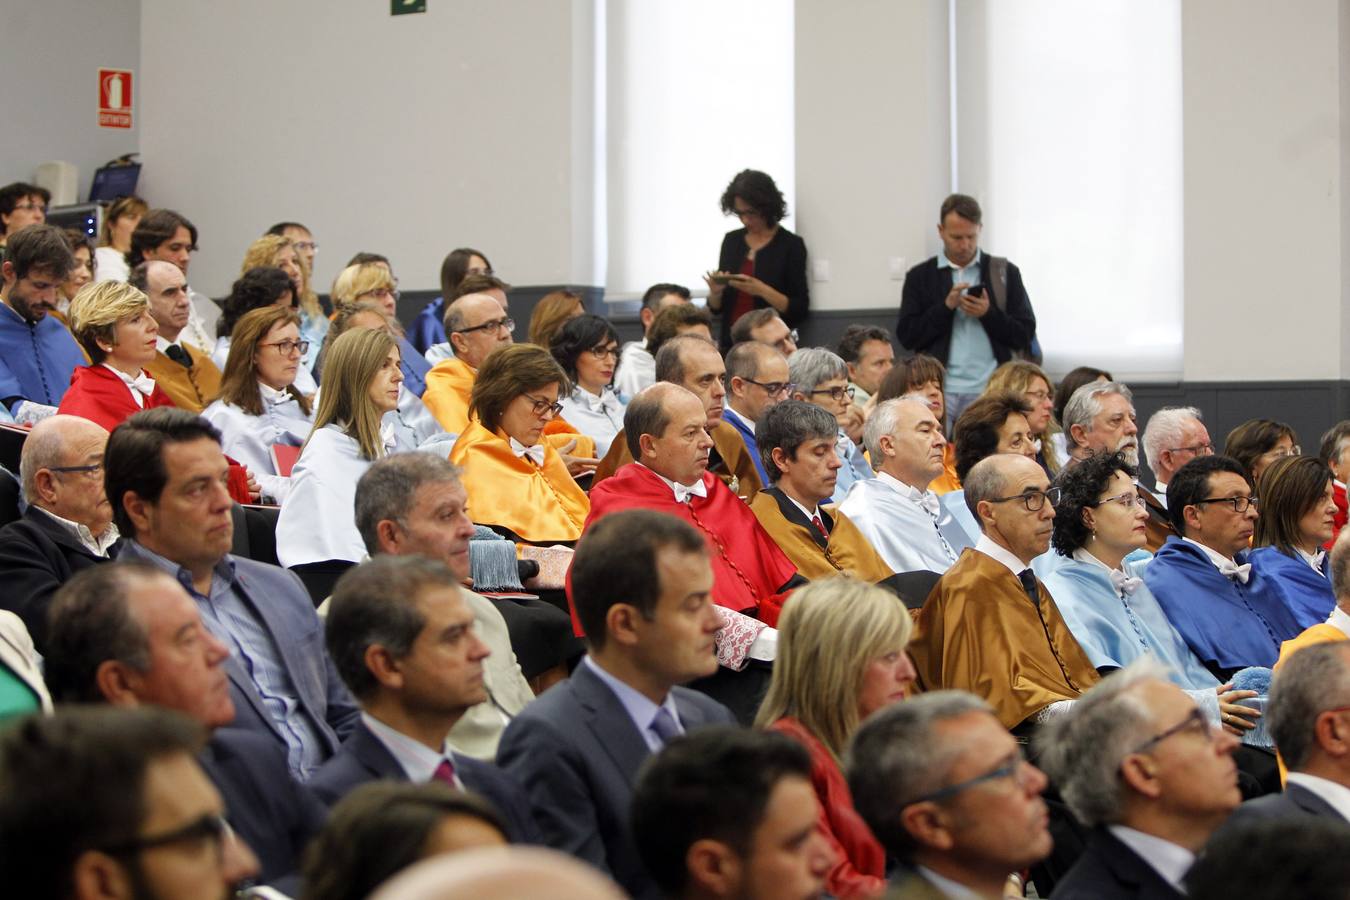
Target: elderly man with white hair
x,y
1174,436
821,377
1139,763
1099,418
897,511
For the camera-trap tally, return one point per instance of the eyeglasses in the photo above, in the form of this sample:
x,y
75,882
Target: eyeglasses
x,y
837,393
542,406
1039,396
37,207
791,338
1126,500
1196,721
773,388
210,827
1197,449
1014,767
93,471
496,325
303,246
286,348
1281,453
1033,500
381,293
604,352
1240,504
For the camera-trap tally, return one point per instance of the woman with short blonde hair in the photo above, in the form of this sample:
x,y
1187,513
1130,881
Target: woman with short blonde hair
x,y
280,252
372,283
1029,381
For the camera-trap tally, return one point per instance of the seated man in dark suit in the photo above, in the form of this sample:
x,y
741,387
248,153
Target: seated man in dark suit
x,y
129,635
404,641
1138,762
730,813
167,481
642,588
68,524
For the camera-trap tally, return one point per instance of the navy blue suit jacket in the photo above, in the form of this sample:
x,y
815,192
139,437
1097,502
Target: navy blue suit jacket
x,y
1110,870
364,758
1294,802
577,754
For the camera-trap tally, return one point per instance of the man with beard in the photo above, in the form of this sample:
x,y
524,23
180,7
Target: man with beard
x,y
1099,419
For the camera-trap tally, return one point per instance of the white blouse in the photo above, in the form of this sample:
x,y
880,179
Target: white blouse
x,y
248,438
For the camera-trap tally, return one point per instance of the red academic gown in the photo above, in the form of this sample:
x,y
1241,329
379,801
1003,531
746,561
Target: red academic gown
x,y
750,574
1338,495
97,394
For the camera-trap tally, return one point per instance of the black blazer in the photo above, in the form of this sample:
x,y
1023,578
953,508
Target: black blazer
x,y
925,323
275,815
364,758
1295,802
37,556
1110,870
781,264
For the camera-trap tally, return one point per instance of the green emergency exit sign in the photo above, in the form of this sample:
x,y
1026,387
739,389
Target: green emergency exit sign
x,y
403,7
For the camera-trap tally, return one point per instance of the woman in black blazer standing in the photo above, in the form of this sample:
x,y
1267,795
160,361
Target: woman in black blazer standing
x,y
761,264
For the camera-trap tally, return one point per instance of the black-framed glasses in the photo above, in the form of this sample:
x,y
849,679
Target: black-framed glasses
x,y
212,827
286,348
772,388
543,405
93,470
1127,499
604,352
496,325
1034,501
1014,766
1195,721
837,393
1239,504
1197,449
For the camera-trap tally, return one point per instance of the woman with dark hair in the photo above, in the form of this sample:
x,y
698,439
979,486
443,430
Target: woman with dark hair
x,y
587,348
1298,514
256,288
762,262
516,479
992,423
1257,443
923,375
82,248
1099,521
428,328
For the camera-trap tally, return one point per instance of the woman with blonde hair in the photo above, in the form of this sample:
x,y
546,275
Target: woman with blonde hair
x,y
1028,381
316,523
113,324
280,252
551,313
114,238
259,404
373,283
841,657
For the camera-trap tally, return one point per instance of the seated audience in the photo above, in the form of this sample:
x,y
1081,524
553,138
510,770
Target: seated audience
x,y
114,238
1303,858
1337,625
257,288
950,796
977,632
1138,762
757,378
282,252
923,377
67,526
729,813
37,353
165,235
477,325
1174,436
260,406
403,640
897,511
1231,615
796,442
427,329
186,374
372,283
382,828
112,322
23,691
1335,442
1298,512
994,422
1257,443
129,635
674,320
21,205
554,310
1028,381
841,657
517,480
82,251
637,362
767,327
642,587
692,362
481,283
83,792
666,430
869,354
587,348
820,377
361,386
165,479
1061,394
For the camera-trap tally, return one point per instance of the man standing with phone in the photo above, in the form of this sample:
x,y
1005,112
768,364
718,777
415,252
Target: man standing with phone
x,y
965,307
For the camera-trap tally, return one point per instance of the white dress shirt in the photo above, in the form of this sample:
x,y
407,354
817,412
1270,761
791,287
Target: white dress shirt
x,y
96,545
993,550
1166,858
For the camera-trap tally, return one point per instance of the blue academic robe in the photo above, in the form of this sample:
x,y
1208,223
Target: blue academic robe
x,y
1229,625
855,468
427,328
415,368
36,360
1307,593
747,433
1114,631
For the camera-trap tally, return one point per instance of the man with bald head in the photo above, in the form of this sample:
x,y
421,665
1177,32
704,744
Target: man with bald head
x,y
693,363
757,378
990,626
68,526
186,373
477,324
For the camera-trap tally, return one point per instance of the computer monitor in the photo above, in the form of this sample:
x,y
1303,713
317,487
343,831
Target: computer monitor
x,y
87,217
111,182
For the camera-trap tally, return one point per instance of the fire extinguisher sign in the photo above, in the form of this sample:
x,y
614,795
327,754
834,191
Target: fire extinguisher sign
x,y
114,98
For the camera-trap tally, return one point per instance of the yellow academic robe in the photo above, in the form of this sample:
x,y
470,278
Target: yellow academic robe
x,y
539,504
1321,633
736,468
979,632
947,481
192,389
847,551
449,384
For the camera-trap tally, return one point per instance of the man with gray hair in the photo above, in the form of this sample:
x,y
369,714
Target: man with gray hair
x,y
897,511
821,377
1174,436
757,378
68,525
1099,419
1140,764
947,792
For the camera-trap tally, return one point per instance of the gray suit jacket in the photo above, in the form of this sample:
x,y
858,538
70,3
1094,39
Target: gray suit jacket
x,y
1296,801
577,754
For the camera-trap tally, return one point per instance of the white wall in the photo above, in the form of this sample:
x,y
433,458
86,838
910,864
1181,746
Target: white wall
x,y
406,135
49,66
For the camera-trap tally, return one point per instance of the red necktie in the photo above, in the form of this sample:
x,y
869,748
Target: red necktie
x,y
445,773
820,526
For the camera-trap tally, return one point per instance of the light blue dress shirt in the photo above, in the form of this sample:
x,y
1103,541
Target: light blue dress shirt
x,y
970,358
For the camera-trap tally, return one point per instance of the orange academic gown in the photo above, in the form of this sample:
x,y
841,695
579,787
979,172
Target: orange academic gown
x,y
846,550
449,384
192,388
